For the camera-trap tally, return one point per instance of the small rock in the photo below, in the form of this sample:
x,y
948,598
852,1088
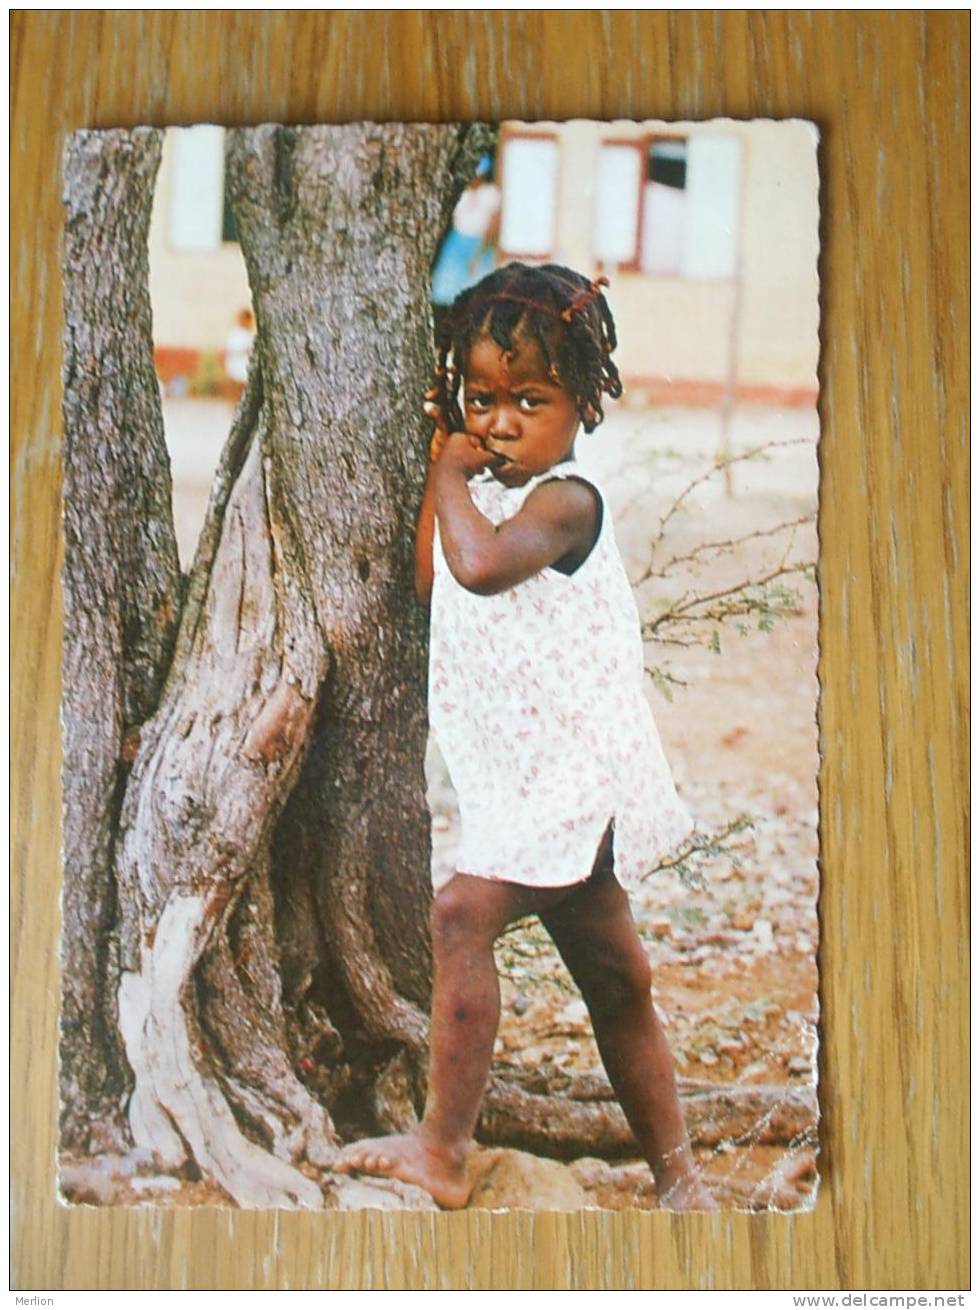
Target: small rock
x,y
378,1194
800,1169
616,1186
661,926
763,932
698,955
520,1004
734,736
755,1069
575,1011
81,1185
708,1057
516,1180
159,1183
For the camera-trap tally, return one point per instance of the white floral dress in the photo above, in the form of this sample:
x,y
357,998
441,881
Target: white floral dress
x,y
537,704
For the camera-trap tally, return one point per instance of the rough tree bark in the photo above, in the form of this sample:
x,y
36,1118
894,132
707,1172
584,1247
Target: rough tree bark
x,y
250,959
121,584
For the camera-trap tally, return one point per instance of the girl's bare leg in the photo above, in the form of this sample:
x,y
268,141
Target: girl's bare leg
x,y
595,933
468,915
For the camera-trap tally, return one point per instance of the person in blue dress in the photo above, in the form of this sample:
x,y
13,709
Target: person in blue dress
x,y
469,250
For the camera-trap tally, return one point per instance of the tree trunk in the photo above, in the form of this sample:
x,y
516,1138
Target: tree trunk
x,y
251,954
121,584
339,228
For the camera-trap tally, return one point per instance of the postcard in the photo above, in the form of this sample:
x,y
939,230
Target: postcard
x,y
440,667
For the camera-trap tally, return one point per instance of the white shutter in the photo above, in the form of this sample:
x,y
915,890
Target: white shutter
x,y
197,189
530,186
664,229
617,203
713,189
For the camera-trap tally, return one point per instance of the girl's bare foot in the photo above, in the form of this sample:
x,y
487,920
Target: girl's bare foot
x,y
687,1193
441,1172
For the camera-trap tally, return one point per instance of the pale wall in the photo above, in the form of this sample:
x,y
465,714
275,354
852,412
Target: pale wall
x,y
679,329
195,294
669,328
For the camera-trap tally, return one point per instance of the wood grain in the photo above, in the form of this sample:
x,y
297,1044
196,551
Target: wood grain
x,y
889,91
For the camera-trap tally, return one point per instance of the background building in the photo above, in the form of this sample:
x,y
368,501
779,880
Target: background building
x,y
708,233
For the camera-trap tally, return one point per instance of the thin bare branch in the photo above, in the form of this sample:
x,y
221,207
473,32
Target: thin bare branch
x,y
719,464
716,547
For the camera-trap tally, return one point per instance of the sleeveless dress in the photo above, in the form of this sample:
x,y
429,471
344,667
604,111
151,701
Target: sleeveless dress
x,y
537,704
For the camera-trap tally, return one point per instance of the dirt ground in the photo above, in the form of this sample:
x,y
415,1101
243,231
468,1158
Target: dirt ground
x,y
734,958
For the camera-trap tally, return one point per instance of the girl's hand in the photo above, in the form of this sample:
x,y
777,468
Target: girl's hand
x,y
434,411
467,453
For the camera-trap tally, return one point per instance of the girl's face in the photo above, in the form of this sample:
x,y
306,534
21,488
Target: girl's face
x,y
520,414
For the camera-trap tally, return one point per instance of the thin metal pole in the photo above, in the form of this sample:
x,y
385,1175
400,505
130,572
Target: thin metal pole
x,y
731,376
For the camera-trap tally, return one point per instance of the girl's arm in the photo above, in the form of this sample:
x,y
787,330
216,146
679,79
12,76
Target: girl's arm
x,y
556,519
423,538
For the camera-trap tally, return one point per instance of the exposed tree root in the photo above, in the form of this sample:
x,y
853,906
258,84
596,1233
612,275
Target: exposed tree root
x,y
172,1089
394,1106
761,1115
241,1009
565,1128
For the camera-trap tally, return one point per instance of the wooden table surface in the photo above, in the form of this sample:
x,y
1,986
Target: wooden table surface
x,y
889,90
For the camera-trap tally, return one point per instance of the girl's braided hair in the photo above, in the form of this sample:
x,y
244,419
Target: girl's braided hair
x,y
564,312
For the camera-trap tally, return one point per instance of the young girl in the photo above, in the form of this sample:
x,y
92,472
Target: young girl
x,y
536,699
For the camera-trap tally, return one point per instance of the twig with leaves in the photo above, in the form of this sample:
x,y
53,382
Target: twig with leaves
x,y
701,847
750,596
